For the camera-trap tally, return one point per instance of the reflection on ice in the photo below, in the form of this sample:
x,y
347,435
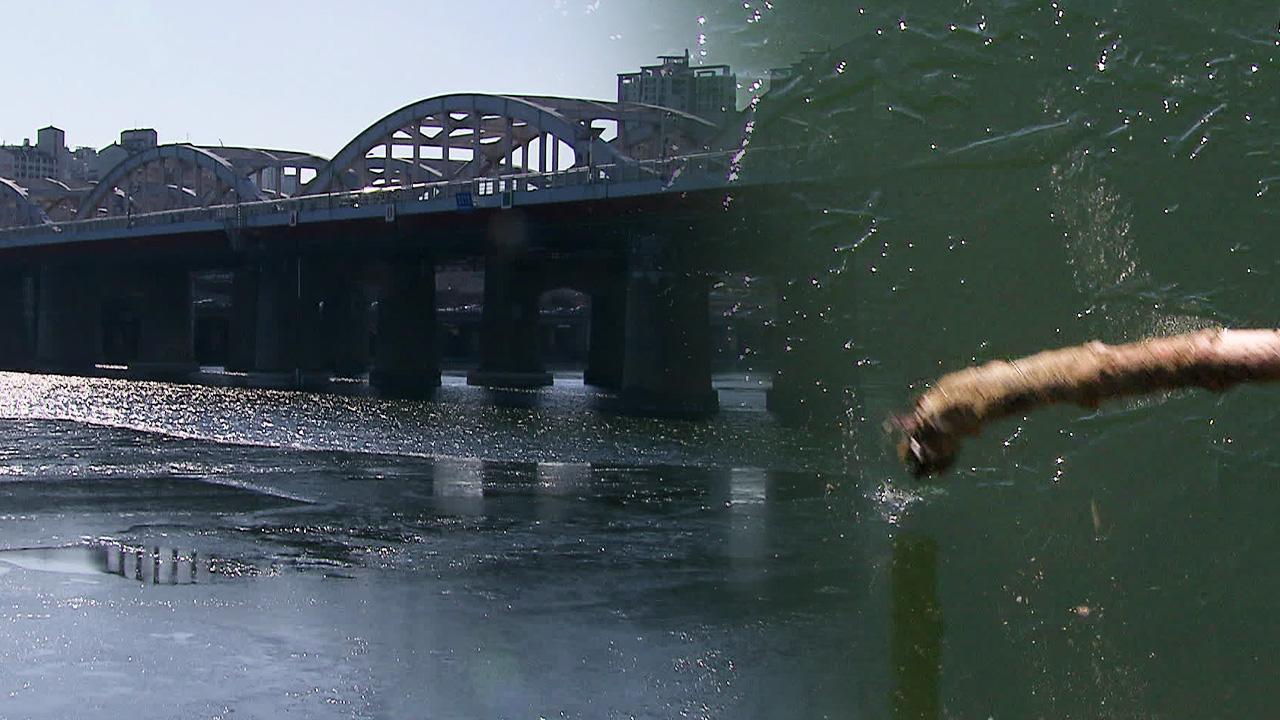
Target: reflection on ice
x,y
74,559
748,532
155,566
557,485
459,486
555,478
150,565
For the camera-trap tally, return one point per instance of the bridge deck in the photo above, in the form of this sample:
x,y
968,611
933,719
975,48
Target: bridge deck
x,y
686,173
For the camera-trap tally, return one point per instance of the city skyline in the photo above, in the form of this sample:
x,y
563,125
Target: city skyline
x,y
284,90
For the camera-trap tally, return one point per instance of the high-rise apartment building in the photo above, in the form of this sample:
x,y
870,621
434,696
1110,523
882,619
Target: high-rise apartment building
x,y
708,91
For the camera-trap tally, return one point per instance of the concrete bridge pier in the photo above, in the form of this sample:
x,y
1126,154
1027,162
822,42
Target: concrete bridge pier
x,y
68,317
166,323
242,339
347,320
509,325
668,354
406,361
313,343
607,347
317,306
17,318
296,323
275,347
331,330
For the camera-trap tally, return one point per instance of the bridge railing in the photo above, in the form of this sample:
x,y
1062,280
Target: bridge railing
x,y
724,165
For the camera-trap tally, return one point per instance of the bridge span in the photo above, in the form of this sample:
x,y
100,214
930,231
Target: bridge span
x,y
333,263
344,282
440,139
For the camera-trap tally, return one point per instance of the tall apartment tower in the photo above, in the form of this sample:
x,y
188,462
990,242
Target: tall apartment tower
x,y
708,91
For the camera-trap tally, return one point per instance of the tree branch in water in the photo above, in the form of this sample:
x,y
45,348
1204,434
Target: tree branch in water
x,y
959,404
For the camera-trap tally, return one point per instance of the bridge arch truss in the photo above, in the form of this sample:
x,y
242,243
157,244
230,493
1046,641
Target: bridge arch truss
x,y
461,137
17,209
276,173
468,136
168,177
637,130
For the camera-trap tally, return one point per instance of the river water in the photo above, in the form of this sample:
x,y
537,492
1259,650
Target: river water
x,y
223,552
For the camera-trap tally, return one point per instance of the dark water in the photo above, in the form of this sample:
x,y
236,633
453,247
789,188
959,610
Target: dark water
x,y
1008,176
1022,175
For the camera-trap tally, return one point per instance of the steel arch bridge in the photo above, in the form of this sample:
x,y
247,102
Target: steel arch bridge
x,y
465,136
17,209
59,201
276,173
168,177
640,131
448,137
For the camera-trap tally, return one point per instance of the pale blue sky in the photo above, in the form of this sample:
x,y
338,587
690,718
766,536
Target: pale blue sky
x,y
308,75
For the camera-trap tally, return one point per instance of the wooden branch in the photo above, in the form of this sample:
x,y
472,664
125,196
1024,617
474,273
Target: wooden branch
x,y
960,403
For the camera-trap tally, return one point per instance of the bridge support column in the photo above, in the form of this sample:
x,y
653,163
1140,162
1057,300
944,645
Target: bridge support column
x,y
166,339
668,357
304,319
69,317
332,333
17,318
607,348
313,338
347,320
406,363
509,330
275,341
242,339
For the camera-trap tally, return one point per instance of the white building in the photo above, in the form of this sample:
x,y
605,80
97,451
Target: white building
x,y
708,91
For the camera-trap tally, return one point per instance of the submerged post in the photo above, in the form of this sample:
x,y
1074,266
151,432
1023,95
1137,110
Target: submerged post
x,y
915,652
